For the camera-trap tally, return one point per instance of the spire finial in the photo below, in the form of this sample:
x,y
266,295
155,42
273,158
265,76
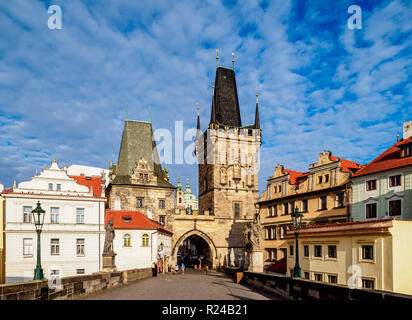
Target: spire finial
x,y
233,61
217,58
257,95
197,104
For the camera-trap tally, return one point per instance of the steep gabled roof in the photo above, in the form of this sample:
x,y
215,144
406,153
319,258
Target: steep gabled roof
x,y
136,218
138,142
347,165
293,175
388,160
225,104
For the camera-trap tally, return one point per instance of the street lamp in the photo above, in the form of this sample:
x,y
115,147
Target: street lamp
x,y
297,222
38,219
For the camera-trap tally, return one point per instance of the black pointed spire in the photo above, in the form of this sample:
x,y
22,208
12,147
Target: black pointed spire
x,y
257,121
198,118
225,103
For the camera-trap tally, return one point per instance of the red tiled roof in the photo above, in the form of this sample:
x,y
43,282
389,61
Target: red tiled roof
x,y
347,165
293,175
137,220
95,182
390,159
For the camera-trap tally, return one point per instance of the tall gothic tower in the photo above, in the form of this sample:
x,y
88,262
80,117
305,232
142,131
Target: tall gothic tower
x,y
228,156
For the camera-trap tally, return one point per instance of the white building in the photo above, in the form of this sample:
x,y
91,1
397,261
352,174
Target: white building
x,y
73,233
139,241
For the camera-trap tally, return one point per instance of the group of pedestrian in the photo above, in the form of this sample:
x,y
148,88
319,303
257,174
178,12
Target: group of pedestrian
x,y
180,268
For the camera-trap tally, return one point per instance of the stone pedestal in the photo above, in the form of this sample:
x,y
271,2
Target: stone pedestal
x,y
108,262
255,261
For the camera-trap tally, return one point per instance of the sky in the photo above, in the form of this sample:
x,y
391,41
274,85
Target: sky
x,y
322,86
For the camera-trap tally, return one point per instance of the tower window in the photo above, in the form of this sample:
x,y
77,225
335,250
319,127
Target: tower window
x,y
237,210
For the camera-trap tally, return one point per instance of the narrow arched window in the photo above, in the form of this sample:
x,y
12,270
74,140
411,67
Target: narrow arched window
x,y
126,240
145,240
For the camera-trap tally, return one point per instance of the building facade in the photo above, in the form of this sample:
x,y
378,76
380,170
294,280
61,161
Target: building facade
x,y
321,195
227,154
138,182
73,233
139,241
383,188
367,254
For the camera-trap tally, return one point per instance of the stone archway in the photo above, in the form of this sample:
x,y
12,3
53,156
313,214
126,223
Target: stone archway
x,y
203,238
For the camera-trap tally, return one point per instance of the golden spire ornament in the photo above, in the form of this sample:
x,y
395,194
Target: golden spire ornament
x,y
197,104
257,95
217,57
233,61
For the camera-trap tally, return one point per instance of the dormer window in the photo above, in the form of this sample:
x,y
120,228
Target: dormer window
x,y
127,219
406,151
88,178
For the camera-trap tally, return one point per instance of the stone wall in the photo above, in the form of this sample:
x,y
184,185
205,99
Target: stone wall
x,y
299,289
71,287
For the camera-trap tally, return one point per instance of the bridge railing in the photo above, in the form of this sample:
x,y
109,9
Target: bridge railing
x,y
70,287
300,289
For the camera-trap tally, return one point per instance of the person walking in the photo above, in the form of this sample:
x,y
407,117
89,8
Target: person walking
x,y
183,268
176,268
153,269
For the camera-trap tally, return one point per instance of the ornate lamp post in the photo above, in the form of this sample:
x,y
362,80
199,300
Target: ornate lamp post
x,y
297,222
38,219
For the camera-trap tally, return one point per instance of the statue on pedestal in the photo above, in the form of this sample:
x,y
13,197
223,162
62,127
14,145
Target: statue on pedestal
x,y
254,254
108,253
252,234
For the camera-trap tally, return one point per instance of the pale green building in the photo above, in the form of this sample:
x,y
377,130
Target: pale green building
x,y
383,188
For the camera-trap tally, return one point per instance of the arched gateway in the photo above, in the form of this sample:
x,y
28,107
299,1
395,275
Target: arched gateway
x,y
192,246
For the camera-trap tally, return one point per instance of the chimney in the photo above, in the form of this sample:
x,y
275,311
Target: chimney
x,y
407,129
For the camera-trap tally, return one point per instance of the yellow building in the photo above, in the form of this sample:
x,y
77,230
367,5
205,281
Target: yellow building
x,y
321,195
372,255
2,242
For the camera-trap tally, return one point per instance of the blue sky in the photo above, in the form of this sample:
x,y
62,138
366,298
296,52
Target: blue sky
x,y
322,85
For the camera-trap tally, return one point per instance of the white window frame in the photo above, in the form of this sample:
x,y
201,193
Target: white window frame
x,y
82,246
367,243
55,245
80,214
394,198
366,184
377,209
29,246
56,214
396,187
30,215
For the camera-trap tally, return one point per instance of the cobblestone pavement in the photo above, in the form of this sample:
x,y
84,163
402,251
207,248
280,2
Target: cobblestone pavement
x,y
193,285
